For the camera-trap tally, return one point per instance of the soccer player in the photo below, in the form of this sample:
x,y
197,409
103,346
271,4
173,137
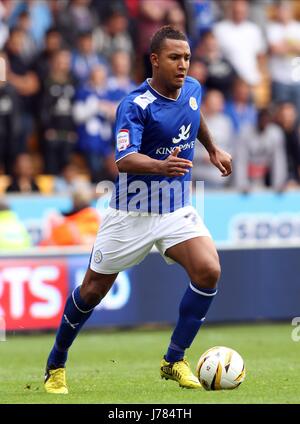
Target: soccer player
x,y
156,129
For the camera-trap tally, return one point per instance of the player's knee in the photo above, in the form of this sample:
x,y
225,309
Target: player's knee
x,y
209,276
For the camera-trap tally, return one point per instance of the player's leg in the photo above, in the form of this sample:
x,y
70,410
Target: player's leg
x,y
200,259
78,309
122,242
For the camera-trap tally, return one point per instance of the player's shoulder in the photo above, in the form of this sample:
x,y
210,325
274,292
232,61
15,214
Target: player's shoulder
x,y
139,98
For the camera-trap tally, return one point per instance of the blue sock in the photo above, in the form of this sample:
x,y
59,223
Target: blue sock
x,y
192,310
75,314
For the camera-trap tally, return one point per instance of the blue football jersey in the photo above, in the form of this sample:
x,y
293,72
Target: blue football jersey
x,y
154,125
95,130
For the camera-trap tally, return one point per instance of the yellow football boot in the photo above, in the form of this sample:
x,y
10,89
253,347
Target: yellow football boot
x,y
55,381
179,371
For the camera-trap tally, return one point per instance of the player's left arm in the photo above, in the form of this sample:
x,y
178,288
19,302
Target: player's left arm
x,y
218,157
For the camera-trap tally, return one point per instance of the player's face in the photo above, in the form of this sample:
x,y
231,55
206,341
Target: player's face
x,y
172,62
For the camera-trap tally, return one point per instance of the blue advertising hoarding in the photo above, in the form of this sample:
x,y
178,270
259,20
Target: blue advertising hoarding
x,y
256,284
257,217
232,218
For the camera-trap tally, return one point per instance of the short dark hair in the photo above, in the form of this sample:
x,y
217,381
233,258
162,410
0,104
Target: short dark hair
x,y
164,32
51,30
84,34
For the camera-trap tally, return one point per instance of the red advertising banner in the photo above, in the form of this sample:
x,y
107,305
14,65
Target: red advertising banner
x,y
32,293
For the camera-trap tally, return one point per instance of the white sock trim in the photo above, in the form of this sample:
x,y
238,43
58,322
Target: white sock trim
x,y
80,310
201,292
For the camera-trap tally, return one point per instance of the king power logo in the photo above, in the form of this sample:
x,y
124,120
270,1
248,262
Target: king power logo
x,y
184,133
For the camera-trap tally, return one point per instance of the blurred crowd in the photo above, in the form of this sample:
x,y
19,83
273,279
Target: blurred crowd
x,y
66,64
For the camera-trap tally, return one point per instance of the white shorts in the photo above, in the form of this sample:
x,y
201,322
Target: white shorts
x,y
123,239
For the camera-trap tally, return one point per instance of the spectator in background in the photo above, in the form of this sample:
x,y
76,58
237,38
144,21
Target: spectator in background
x,y
132,10
71,180
52,43
13,234
94,114
176,18
260,156
284,43
198,70
81,15
221,129
151,17
30,47
40,15
240,108
23,176
105,8
241,42
3,25
73,18
23,78
113,34
56,116
220,73
79,226
120,83
201,16
10,124
85,57
259,11
62,21
286,117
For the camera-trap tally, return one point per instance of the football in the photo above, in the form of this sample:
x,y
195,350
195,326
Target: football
x,y
220,368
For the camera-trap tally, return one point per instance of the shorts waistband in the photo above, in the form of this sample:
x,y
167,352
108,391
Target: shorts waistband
x,y
121,212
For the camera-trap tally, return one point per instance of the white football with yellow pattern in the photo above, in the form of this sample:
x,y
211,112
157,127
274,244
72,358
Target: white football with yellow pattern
x,y
220,368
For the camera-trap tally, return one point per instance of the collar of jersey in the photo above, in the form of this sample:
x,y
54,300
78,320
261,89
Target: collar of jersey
x,y
161,95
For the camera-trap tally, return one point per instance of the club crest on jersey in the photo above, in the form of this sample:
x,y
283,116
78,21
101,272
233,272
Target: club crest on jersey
x,y
122,140
98,256
193,103
184,133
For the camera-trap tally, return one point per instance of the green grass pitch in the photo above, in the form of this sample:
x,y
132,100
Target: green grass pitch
x,y
123,367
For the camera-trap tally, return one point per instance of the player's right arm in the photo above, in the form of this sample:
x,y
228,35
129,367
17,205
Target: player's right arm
x,y
138,163
129,132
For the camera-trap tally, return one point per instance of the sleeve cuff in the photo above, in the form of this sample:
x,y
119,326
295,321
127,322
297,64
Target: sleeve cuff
x,y
126,154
